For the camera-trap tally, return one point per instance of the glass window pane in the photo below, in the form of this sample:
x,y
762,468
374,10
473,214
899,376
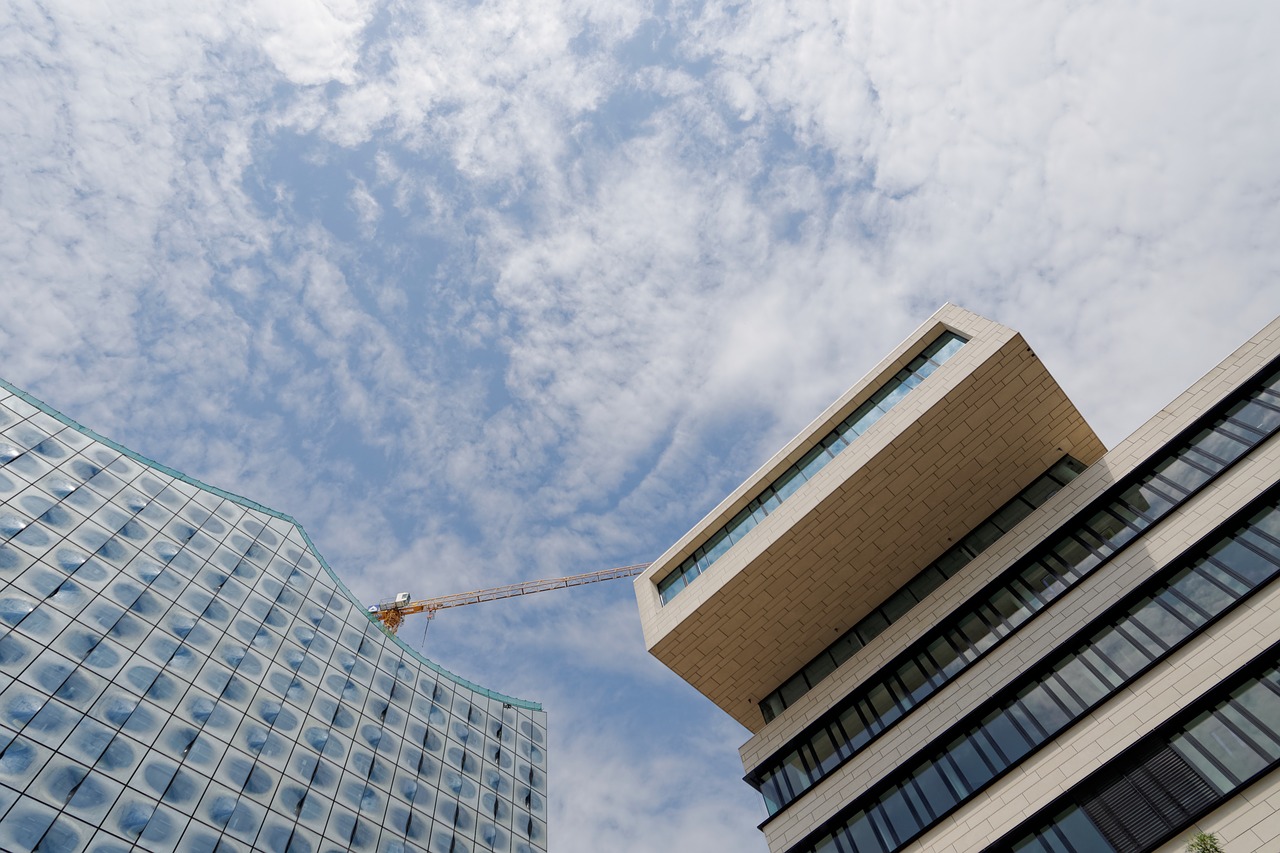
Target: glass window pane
x,y
795,772
793,690
979,635
1110,529
1005,735
819,668
773,798
1153,615
1023,720
862,835
946,657
890,394
863,417
926,582
882,704
1196,586
1196,757
952,562
717,546
1131,636
1146,500
897,605
1040,491
1267,742
1237,757
1218,444
1010,607
825,751
1031,844
1083,682
834,443
1075,556
1267,521
948,348
845,647
1042,581
813,461
1010,514
786,485
982,537
893,806
1261,702
1181,473
934,788
1258,542
1244,561
914,680
854,728
742,524
1042,707
1257,415
771,706
1081,833
1101,666
871,626
972,766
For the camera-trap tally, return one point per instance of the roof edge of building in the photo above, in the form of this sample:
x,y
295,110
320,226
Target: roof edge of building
x,y
252,504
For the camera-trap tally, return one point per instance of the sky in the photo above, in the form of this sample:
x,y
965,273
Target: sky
x,y
507,289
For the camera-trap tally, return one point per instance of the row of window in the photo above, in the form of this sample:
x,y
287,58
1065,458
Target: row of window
x,y
1129,639
1169,779
1026,589
810,464
173,671
926,581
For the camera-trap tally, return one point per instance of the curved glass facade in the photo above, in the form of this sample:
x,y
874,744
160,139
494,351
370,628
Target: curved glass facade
x,y
180,670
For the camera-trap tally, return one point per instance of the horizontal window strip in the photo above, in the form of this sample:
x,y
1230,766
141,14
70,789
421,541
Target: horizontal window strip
x,y
885,398
1159,787
1095,535
1103,659
926,581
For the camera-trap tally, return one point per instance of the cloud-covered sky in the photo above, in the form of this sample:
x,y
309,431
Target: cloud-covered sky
x,y
497,290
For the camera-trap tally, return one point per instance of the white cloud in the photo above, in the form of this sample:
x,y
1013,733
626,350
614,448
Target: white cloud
x,y
312,41
633,257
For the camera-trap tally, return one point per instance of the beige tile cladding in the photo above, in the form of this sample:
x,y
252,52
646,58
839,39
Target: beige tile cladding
x,y
1038,638
1248,823
943,458
1237,368
1192,671
656,620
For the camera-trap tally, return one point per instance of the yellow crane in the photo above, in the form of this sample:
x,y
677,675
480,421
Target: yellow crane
x,y
392,613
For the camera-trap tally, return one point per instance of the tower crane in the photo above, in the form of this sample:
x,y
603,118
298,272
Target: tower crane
x,y
392,613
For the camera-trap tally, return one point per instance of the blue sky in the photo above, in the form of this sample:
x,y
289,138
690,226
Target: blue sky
x,y
488,291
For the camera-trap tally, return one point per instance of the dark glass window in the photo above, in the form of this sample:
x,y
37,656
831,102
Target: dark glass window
x,y
1226,747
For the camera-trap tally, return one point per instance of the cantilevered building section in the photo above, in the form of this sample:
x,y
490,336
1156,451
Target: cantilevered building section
x,y
952,621
180,670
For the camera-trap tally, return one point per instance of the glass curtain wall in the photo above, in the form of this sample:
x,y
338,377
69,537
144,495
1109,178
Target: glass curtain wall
x,y
179,670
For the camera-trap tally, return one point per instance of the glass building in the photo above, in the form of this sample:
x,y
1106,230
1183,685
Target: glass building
x,y
181,670
953,620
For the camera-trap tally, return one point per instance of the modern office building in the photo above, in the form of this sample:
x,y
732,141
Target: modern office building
x,y
952,620
181,670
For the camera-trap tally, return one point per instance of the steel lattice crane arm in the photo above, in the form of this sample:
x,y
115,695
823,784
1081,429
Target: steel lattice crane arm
x,y
392,613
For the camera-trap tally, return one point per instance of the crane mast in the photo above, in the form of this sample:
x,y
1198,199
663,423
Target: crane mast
x,y
391,613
